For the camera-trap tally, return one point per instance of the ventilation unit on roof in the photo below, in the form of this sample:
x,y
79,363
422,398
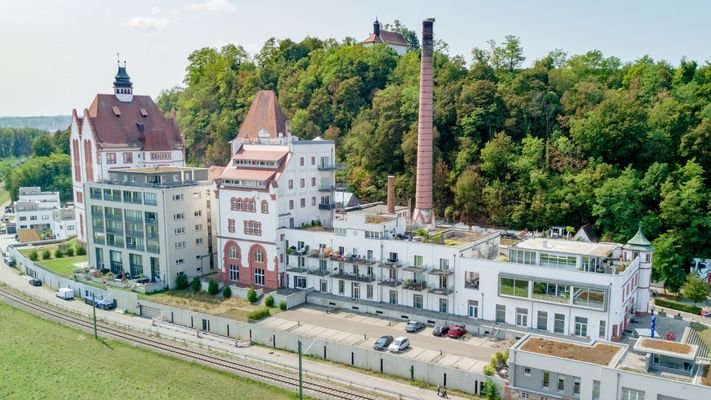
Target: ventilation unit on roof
x,y
117,112
143,111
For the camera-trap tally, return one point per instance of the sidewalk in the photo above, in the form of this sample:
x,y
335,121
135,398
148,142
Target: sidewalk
x,y
257,354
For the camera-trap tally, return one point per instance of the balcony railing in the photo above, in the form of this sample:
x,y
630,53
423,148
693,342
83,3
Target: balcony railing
x,y
330,166
319,271
441,291
354,277
323,206
330,188
297,269
441,271
391,282
412,285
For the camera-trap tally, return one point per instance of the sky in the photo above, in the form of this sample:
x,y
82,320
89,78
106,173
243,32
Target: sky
x,y
55,56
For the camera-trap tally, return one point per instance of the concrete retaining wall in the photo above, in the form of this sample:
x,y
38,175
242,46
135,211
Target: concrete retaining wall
x,y
292,300
355,355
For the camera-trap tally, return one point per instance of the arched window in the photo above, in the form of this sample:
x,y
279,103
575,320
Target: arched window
x,y
265,207
234,254
258,256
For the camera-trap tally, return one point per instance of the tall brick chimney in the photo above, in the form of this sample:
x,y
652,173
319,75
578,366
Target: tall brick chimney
x,y
423,215
391,194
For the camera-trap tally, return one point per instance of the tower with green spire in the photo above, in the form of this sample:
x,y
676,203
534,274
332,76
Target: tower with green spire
x,y
640,247
123,87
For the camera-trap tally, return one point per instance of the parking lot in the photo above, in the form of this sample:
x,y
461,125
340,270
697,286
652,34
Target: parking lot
x,y
363,330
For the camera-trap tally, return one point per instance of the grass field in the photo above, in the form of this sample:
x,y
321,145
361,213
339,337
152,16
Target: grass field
x,y
44,360
4,195
63,266
233,307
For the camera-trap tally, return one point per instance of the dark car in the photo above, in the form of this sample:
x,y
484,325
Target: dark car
x,y
440,330
414,326
106,304
456,331
35,282
382,343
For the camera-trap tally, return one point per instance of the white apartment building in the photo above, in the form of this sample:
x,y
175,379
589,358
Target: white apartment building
x,y
119,130
63,223
272,180
33,208
151,222
544,368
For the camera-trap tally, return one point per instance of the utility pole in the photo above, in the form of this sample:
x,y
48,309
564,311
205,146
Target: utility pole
x,y
93,302
301,378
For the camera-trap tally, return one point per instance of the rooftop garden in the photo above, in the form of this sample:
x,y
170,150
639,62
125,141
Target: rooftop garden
x,y
600,354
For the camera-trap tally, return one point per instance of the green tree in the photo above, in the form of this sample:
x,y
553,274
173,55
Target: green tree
x,y
46,255
181,282
667,264
468,195
252,295
490,391
695,289
43,146
269,301
196,285
58,253
227,292
212,287
618,207
508,56
33,255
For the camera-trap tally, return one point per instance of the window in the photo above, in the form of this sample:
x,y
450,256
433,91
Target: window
x,y
313,201
259,277
111,158
302,182
632,394
473,306
253,228
301,161
586,297
551,291
527,371
546,379
150,199
417,301
234,272
542,322
178,197
443,263
258,255
603,329
231,225
522,256
233,252
235,204
513,287
369,291
500,313
341,286
291,183
23,218
313,160
198,213
179,261
553,260
95,193
178,216
521,317
443,305
180,245
198,227
265,207
45,217
417,261
576,386
291,204
313,181
33,218
300,282
596,390
303,202
581,326
559,324
180,231
393,297
561,384
198,242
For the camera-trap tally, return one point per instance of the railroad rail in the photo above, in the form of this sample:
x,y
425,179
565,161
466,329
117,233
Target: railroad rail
x,y
243,369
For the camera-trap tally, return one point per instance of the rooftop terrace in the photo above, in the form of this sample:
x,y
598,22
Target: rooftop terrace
x,y
597,353
568,246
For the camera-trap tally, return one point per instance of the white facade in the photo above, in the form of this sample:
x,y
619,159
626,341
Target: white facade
x,y
151,222
33,209
63,223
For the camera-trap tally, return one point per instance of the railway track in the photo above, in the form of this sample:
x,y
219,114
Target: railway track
x,y
243,369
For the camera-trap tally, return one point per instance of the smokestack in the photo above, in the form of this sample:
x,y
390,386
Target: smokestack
x,y
422,214
391,194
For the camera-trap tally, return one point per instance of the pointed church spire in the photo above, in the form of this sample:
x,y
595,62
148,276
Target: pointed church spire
x,y
123,87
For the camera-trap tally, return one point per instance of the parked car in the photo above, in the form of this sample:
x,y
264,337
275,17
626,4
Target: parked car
x,y
440,330
456,331
106,304
382,343
35,282
65,293
414,326
399,344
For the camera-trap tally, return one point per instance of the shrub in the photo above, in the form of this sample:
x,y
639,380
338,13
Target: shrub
x,y
282,305
490,391
196,285
227,292
251,295
46,255
81,251
269,301
674,305
58,253
489,370
33,255
258,314
181,281
69,252
213,288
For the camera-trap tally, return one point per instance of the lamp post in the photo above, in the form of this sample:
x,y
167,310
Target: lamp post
x,y
301,378
93,303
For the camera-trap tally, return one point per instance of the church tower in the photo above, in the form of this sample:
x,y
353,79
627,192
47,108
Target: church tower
x,y
123,88
640,246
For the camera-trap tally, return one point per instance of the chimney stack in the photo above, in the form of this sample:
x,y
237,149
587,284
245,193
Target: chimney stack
x,y
376,28
422,214
391,194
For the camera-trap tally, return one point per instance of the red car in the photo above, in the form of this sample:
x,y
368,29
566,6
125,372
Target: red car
x,y
456,331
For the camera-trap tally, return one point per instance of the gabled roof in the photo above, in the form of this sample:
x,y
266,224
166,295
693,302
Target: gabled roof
x,y
123,124
639,241
259,153
264,115
387,37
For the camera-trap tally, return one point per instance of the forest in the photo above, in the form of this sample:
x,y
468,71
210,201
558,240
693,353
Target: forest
x,y
563,140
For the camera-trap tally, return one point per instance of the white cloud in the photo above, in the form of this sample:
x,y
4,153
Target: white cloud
x,y
147,24
211,5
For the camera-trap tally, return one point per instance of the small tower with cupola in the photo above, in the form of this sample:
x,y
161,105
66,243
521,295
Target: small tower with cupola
x,y
123,87
640,246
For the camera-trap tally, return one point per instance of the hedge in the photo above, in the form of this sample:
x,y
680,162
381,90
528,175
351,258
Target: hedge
x,y
675,305
258,314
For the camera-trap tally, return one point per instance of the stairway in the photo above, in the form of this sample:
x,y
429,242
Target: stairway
x,y
693,338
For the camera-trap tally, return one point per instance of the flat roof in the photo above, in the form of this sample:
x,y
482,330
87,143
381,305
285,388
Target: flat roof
x,y
247,174
596,353
666,347
153,170
568,246
260,153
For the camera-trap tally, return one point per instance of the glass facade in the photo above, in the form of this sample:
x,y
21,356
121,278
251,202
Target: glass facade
x,y
513,287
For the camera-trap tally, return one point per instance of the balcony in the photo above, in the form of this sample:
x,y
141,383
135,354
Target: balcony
x,y
330,188
415,269
319,271
354,277
330,166
441,291
391,263
441,271
299,270
391,282
330,206
412,285
358,260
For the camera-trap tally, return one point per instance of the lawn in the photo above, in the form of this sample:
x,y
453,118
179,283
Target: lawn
x,y
63,266
4,195
705,333
41,359
234,307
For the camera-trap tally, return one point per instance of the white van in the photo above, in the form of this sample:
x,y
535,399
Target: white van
x,y
65,293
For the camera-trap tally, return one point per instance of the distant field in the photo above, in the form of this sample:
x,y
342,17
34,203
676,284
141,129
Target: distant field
x,y
44,360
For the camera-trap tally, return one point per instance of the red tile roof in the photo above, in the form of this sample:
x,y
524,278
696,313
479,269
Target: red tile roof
x,y
248,174
387,37
260,154
130,128
214,172
266,114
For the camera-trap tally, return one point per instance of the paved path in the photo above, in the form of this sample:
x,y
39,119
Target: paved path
x,y
258,354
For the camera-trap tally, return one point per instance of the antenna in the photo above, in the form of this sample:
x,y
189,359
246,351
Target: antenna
x,y
118,58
